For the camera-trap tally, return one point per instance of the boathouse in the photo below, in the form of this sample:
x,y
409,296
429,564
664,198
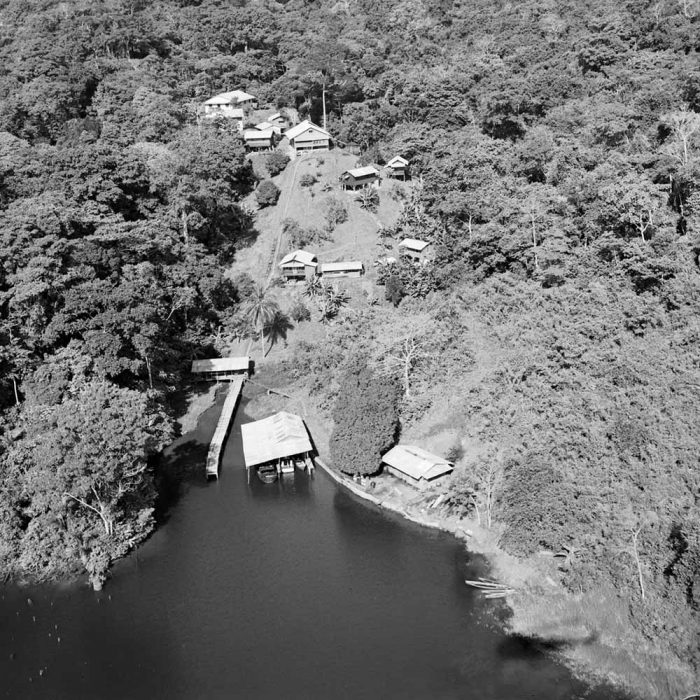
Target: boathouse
x,y
298,266
420,251
350,268
415,465
259,139
397,168
278,440
306,136
359,177
223,368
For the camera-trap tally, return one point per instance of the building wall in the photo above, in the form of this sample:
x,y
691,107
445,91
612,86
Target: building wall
x,y
343,273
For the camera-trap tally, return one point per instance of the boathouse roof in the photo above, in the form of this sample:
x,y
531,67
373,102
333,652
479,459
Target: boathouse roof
x,y
281,435
416,462
221,364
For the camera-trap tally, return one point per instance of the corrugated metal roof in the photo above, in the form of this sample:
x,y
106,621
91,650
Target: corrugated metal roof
x,y
222,364
300,256
276,116
414,244
302,127
263,126
274,437
229,98
416,462
397,160
255,135
340,266
362,172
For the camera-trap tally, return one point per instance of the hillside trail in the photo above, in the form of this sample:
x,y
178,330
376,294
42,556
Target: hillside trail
x,y
286,186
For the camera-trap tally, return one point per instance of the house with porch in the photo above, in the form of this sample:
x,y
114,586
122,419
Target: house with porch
x,y
259,140
359,177
298,266
306,136
397,168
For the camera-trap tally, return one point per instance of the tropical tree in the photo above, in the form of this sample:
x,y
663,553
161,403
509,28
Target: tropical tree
x,y
260,309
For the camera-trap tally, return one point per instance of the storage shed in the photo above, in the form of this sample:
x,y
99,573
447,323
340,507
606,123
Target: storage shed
x,y
298,266
351,268
415,249
271,440
306,136
415,465
222,368
359,177
397,167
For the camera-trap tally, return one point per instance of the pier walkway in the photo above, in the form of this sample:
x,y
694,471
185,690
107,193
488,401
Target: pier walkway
x,y
222,428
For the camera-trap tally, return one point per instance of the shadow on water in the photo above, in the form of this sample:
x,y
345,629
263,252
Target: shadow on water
x,y
181,466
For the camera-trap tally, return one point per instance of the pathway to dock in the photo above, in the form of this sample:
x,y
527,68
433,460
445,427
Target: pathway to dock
x,y
217,442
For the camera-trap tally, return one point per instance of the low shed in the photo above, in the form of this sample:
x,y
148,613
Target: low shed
x,y
221,368
351,268
277,437
415,465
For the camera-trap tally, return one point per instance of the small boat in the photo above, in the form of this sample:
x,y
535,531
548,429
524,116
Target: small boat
x,y
267,473
287,466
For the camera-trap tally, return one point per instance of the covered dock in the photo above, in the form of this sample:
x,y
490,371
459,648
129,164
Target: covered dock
x,y
280,440
223,368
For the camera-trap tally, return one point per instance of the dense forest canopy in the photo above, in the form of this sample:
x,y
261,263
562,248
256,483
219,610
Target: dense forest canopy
x,y
555,152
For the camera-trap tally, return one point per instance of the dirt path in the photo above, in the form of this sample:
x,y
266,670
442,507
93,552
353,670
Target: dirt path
x,y
286,185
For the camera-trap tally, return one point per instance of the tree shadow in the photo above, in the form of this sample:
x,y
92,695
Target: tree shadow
x,y
278,328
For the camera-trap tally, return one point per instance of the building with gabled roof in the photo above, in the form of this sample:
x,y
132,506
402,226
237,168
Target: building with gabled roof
x,y
220,368
415,465
282,436
259,140
234,98
298,266
397,167
307,136
359,177
415,249
349,268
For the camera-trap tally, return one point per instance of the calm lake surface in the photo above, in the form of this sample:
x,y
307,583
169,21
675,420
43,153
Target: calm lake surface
x,y
281,591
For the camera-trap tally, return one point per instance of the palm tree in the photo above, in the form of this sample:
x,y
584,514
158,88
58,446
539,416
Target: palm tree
x,y
260,310
332,300
313,288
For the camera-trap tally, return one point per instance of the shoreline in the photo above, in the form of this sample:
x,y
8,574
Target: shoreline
x,y
589,633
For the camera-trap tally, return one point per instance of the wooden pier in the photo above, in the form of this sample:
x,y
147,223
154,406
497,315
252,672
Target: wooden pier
x,y
217,442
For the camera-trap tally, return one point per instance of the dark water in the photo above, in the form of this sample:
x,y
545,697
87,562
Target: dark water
x,y
289,590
